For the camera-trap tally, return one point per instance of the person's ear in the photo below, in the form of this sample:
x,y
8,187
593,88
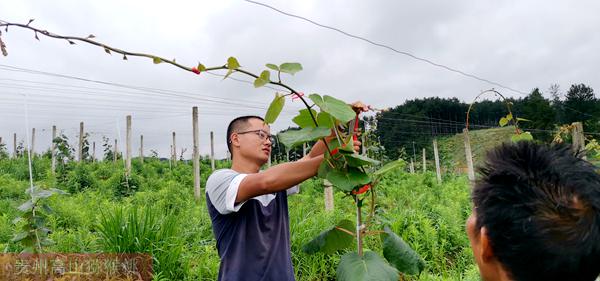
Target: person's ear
x,y
487,253
235,141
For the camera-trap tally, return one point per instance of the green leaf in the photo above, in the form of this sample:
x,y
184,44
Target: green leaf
x,y
348,180
399,254
42,193
304,120
357,160
275,108
331,240
325,120
232,63
201,67
290,67
523,119
47,209
58,191
272,66
27,206
503,121
156,60
292,138
20,236
337,108
324,169
390,167
509,116
263,79
525,136
369,267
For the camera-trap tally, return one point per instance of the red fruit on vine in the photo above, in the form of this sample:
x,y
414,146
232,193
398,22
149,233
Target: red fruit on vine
x,y
362,189
195,70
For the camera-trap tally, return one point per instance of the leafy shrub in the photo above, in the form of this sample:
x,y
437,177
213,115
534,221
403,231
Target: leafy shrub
x,y
79,178
124,186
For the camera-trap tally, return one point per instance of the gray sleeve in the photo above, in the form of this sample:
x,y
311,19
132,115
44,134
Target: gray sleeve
x,y
222,187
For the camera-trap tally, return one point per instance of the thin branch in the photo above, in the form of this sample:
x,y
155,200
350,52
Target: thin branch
x,y
109,49
345,231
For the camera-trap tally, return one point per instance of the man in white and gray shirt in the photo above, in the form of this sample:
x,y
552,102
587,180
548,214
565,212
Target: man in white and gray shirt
x,y
249,210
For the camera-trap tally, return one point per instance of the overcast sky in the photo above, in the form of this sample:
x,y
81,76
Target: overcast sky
x,y
520,44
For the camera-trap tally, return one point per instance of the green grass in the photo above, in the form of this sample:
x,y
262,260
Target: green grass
x,y
452,149
163,219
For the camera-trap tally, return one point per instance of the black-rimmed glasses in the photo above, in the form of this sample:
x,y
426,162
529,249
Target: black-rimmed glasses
x,y
261,134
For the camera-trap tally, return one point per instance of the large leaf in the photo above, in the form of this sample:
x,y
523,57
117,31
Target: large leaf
x,y
275,108
331,240
324,169
292,138
325,120
389,167
357,160
304,120
290,67
27,206
263,79
19,236
369,267
503,121
337,108
399,254
347,181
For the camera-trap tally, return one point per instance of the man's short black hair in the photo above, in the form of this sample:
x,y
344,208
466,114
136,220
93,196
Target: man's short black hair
x,y
541,207
237,125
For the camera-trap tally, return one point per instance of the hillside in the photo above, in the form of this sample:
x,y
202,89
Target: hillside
x,y
452,149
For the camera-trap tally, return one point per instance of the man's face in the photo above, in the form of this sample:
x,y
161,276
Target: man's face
x,y
253,142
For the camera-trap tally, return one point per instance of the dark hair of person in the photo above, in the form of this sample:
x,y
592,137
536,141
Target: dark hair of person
x,y
541,207
237,125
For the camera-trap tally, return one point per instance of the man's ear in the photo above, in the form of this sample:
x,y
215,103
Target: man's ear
x,y
487,253
235,141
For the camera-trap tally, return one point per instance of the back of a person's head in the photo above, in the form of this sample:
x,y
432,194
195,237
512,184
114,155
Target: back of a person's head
x,y
541,207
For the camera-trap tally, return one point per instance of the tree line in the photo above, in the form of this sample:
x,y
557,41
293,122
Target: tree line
x,y
411,126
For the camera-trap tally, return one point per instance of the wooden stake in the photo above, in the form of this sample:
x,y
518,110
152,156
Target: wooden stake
x,y
469,156
115,153
174,155
15,145
142,149
412,166
578,138
128,147
328,192
80,152
437,161
304,150
424,161
212,151
364,144
93,152
32,142
196,156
